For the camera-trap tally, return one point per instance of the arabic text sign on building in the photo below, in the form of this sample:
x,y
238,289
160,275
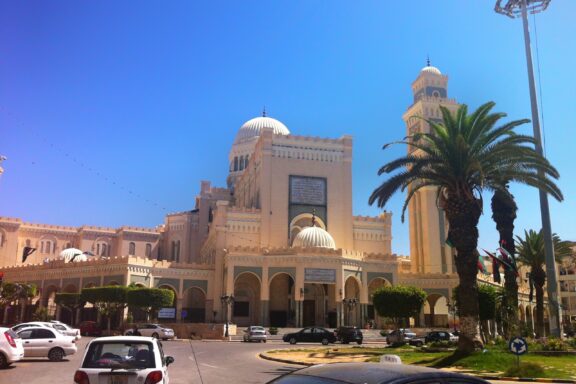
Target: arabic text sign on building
x,y
319,275
167,313
307,190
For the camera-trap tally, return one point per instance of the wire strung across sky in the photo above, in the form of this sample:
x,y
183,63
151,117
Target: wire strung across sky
x,y
73,158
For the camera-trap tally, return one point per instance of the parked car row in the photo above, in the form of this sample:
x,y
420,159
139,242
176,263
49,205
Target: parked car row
x,y
53,340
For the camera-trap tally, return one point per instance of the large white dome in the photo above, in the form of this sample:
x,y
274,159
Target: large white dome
x,y
252,128
431,69
69,253
314,237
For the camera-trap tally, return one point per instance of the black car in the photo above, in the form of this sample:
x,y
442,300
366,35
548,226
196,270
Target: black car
x,y
373,373
311,335
346,335
437,336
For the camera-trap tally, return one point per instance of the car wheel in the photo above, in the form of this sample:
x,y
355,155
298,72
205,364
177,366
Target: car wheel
x,y
3,361
263,341
325,341
293,340
419,344
56,354
155,335
359,342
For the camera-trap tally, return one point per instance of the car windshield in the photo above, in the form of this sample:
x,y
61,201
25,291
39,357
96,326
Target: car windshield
x,y
120,355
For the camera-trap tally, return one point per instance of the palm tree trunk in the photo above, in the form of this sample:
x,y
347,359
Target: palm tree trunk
x,y
504,214
463,215
539,277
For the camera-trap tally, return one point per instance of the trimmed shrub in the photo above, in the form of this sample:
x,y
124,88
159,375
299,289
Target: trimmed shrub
x,y
553,344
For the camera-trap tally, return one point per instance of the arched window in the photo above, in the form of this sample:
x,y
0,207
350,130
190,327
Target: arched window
x,y
1,238
148,249
104,250
235,163
246,161
241,165
132,248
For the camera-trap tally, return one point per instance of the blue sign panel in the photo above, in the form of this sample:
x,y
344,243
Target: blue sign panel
x,y
518,346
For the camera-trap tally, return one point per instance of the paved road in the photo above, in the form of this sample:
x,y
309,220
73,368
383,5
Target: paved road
x,y
199,362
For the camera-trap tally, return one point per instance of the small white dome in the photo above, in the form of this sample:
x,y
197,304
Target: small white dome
x,y
252,128
314,237
431,69
69,253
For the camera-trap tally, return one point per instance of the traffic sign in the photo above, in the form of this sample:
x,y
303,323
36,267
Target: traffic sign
x,y
518,346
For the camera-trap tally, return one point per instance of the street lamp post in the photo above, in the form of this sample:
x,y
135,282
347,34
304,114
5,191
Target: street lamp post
x,y
520,8
350,304
226,301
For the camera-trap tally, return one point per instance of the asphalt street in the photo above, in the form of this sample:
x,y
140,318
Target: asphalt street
x,y
204,362
207,362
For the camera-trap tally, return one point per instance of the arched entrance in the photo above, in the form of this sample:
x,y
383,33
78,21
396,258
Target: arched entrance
x,y
246,306
436,311
352,302
315,305
282,304
168,314
194,306
373,286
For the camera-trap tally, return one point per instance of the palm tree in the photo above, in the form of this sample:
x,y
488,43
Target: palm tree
x,y
462,155
530,251
504,214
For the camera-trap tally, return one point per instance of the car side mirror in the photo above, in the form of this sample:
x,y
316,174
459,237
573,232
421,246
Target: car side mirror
x,y
169,360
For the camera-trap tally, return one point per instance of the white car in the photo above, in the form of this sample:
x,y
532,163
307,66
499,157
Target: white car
x,y
124,360
11,348
65,329
45,342
57,325
255,333
156,331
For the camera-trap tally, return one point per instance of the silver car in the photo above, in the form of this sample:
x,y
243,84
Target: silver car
x,y
156,331
255,333
46,342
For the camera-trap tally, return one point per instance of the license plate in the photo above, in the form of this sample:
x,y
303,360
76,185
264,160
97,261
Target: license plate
x,y
118,379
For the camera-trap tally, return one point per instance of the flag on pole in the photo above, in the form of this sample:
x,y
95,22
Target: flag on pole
x,y
481,266
505,263
27,251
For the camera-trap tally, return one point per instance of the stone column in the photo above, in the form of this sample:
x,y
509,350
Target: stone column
x,y
265,298
265,308
298,313
339,314
179,310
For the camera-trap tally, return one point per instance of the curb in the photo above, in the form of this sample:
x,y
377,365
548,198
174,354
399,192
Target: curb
x,y
495,378
285,361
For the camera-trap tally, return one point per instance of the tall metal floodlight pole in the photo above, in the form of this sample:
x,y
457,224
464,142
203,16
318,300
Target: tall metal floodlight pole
x,y
514,9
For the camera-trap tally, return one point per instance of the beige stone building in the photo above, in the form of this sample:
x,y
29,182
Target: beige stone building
x,y
281,238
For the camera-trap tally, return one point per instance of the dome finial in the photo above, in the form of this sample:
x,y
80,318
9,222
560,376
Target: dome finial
x,y
264,111
314,217
427,60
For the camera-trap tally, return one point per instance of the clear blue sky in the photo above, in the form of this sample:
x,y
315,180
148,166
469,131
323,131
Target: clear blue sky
x,y
111,112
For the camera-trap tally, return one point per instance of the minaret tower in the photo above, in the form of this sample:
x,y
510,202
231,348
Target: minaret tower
x,y
428,225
